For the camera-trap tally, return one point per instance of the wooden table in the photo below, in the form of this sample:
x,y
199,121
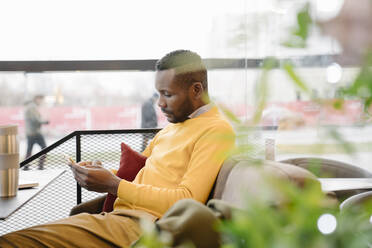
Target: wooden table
x,y
344,184
9,205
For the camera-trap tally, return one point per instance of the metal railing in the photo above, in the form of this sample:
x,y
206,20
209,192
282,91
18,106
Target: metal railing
x,y
56,200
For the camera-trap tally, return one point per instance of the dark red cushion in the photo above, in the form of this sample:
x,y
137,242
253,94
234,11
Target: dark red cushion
x,y
131,163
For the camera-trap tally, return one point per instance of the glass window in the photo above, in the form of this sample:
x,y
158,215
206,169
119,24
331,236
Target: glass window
x,y
244,31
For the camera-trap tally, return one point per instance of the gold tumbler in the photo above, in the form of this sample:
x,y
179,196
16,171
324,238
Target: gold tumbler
x,y
9,160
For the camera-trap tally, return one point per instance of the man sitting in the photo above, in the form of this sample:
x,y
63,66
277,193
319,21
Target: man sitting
x,y
183,161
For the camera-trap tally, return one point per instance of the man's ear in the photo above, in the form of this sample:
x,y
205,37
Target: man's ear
x,y
197,90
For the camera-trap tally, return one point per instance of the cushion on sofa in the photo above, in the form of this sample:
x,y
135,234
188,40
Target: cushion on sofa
x,y
131,162
238,176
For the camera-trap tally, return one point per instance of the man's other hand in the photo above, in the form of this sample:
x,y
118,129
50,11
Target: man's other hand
x,y
93,177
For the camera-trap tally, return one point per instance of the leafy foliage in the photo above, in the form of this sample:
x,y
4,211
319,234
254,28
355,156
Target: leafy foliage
x,y
300,32
295,222
288,68
361,88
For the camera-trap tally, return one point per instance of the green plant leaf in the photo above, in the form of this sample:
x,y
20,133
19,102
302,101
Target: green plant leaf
x,y
288,68
229,114
300,32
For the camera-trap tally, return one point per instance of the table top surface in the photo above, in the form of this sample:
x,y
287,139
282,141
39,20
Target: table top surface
x,y
341,184
9,205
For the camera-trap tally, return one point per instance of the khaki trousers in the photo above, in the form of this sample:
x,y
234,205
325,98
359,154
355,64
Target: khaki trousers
x,y
116,229
187,221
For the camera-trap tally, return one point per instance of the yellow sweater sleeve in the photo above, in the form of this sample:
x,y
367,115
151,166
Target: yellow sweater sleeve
x,y
208,154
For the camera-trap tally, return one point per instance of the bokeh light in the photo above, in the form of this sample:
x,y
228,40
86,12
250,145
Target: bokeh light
x,y
326,10
334,73
327,223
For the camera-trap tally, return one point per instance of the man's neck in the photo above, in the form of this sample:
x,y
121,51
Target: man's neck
x,y
201,110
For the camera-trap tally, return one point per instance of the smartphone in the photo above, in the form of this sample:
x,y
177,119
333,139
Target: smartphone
x,y
69,159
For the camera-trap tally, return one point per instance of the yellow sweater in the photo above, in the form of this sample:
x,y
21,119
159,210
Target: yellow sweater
x,y
183,162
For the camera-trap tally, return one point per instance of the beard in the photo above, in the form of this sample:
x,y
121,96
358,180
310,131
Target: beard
x,y
186,108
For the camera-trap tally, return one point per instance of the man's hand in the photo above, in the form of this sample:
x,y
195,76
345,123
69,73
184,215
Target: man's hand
x,y
93,177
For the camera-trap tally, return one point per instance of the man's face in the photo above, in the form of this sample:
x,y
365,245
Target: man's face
x,y
174,100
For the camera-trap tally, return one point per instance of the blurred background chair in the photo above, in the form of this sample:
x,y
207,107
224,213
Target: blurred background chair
x,y
327,168
357,201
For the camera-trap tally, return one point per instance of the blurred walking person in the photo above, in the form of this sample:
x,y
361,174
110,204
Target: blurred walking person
x,y
33,123
149,118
